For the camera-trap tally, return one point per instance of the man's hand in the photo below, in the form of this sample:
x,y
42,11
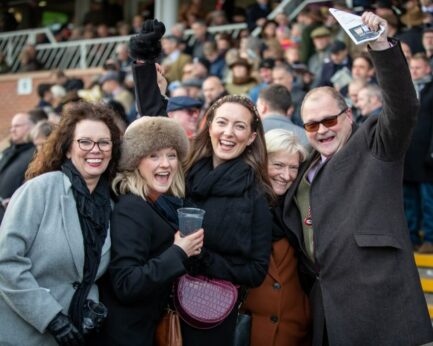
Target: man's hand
x,y
374,22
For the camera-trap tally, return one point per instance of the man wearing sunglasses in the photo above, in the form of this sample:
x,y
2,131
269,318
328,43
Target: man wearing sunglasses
x,y
345,210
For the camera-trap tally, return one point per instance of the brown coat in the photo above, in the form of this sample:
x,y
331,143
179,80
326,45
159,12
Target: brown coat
x,y
279,307
174,70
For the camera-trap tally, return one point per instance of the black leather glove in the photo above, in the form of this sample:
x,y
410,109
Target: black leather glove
x,y
146,45
64,331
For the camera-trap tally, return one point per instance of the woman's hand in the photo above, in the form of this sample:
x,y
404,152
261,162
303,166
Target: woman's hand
x,y
190,244
160,79
65,333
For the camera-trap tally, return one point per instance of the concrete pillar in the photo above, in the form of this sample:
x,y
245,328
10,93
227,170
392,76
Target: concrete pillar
x,y
166,12
81,8
130,9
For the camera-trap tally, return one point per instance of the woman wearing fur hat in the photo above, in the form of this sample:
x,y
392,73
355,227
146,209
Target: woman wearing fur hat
x,y
227,177
147,252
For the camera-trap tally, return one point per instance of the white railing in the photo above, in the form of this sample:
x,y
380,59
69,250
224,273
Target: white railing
x,y
12,43
76,54
94,52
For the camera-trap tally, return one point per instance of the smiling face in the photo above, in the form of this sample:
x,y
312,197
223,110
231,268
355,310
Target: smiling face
x,y
158,170
230,132
327,141
283,170
92,163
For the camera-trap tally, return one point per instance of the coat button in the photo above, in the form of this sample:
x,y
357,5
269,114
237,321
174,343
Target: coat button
x,y
274,319
277,285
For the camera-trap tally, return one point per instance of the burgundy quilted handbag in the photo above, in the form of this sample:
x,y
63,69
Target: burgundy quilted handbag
x,y
204,303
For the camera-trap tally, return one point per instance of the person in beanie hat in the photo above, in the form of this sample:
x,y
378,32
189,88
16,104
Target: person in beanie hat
x,y
148,254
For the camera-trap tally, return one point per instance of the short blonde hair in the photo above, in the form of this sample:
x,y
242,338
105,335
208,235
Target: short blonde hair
x,y
283,140
132,181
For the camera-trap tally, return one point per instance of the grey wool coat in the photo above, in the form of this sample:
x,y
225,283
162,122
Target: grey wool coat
x,y
364,282
41,256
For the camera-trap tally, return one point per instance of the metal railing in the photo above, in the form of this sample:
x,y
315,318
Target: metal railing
x,y
79,54
12,43
76,54
291,8
94,52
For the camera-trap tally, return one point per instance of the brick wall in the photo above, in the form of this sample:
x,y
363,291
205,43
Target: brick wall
x,y
12,103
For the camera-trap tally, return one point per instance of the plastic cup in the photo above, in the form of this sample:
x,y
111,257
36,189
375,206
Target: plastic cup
x,y
190,220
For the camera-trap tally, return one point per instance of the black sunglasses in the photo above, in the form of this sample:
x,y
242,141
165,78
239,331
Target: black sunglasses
x,y
328,122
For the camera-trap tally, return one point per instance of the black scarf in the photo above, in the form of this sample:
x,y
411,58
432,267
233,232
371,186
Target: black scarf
x,y
231,178
167,207
278,229
227,192
94,213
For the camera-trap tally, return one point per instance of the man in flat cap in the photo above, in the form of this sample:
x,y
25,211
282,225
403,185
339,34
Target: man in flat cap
x,y
339,59
185,110
265,73
322,43
114,90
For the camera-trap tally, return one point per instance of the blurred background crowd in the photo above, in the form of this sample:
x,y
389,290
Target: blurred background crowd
x,y
274,62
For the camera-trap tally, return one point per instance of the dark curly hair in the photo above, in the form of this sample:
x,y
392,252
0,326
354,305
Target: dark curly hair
x,y
53,153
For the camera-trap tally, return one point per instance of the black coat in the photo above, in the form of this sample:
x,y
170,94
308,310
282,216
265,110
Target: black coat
x,y
143,267
237,227
416,168
13,165
255,12
150,102
365,282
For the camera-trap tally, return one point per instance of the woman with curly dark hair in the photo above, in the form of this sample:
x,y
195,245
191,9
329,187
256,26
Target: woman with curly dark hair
x,y
54,238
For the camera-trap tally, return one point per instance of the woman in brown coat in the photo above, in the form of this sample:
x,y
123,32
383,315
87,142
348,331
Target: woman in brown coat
x,y
279,307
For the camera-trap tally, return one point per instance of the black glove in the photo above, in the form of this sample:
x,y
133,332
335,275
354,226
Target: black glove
x,y
146,45
64,331
198,265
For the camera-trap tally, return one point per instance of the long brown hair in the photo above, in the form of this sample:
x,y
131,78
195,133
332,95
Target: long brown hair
x,y
254,155
53,153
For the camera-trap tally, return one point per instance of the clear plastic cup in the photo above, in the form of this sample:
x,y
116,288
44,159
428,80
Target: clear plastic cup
x,y
190,220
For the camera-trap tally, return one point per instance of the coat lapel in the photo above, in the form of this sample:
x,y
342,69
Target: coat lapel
x,y
72,228
273,270
291,216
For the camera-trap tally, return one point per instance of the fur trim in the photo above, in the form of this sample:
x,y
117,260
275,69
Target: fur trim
x,y
149,134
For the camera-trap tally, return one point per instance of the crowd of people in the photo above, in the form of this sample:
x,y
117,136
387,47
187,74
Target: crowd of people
x,y
312,157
